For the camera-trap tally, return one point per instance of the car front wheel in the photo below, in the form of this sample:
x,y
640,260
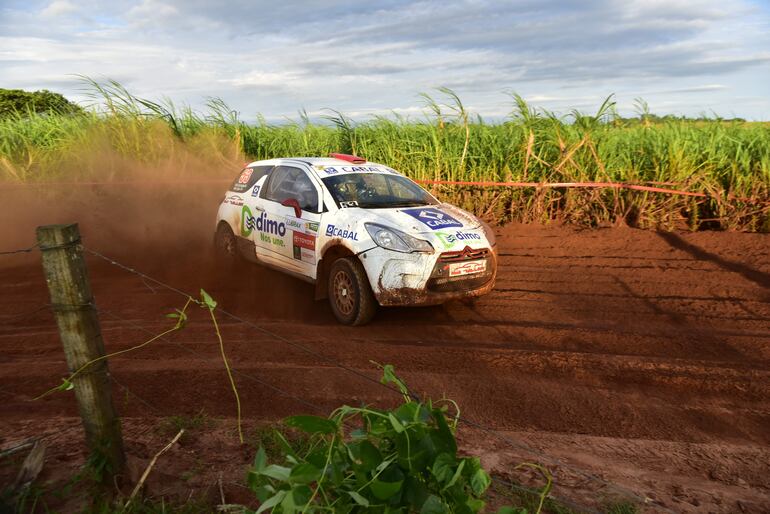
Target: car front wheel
x,y
225,244
350,295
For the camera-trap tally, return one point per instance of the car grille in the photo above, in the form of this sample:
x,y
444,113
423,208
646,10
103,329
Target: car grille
x,y
468,254
441,283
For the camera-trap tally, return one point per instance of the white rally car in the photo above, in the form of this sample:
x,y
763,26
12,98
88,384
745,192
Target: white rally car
x,y
363,233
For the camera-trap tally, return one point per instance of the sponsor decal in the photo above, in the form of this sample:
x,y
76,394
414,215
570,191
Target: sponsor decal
x,y
262,224
245,176
247,221
307,255
433,218
255,191
234,200
243,180
351,203
303,240
312,226
467,268
303,246
294,223
273,240
448,240
333,231
332,170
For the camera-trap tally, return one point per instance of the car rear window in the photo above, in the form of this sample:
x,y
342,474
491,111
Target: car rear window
x,y
248,177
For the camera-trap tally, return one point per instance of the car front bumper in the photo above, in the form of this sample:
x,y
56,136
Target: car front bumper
x,y
423,279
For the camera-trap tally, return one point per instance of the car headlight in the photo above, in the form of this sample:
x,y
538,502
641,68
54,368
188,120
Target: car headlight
x,y
395,240
489,233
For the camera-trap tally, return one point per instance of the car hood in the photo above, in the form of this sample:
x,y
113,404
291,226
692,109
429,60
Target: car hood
x,y
424,220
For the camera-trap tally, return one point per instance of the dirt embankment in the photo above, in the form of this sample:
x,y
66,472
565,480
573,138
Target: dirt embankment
x,y
640,357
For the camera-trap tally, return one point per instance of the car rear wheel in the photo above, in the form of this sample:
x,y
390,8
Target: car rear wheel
x,y
350,295
225,244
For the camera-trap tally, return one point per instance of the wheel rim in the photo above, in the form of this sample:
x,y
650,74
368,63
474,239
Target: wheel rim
x,y
344,294
230,245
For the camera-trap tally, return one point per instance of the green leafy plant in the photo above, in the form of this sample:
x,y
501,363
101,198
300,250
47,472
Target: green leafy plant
x,y
362,459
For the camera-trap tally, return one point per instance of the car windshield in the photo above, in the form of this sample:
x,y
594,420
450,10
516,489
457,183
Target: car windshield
x,y
376,191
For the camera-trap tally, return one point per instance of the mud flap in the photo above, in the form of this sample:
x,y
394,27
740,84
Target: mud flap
x,y
247,249
321,286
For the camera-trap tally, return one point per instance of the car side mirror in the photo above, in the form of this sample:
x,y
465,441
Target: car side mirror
x,y
292,202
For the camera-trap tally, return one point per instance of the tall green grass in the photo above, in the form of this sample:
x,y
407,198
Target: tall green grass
x,y
727,160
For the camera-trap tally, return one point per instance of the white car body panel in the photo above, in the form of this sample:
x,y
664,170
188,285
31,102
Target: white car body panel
x,y
298,244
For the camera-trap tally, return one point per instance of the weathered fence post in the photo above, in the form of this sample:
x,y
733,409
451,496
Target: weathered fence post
x,y
73,306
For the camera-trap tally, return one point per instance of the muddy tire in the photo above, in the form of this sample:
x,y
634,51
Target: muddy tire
x,y
225,244
350,295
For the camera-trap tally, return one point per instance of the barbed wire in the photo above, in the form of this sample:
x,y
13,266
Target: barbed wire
x,y
21,315
265,331
202,356
510,485
132,393
20,250
508,440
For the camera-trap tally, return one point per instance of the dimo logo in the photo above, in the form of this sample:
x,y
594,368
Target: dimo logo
x,y
261,224
448,240
247,221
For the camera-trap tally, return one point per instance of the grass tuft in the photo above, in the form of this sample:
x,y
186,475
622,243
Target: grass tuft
x,y
729,160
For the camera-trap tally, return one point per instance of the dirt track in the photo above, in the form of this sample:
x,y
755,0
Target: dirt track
x,y
638,356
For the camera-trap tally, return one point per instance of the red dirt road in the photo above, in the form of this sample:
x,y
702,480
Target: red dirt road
x,y
642,358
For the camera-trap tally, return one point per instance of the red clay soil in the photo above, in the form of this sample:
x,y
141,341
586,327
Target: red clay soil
x,y
626,361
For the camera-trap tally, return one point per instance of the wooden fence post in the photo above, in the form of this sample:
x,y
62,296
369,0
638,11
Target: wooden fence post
x,y
73,306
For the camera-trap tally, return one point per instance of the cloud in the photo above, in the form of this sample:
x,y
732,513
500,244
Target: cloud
x,y
58,8
276,57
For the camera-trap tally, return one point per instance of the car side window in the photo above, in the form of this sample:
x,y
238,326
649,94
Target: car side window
x,y
288,182
248,177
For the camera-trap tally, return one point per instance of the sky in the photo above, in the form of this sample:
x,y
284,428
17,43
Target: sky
x,y
274,58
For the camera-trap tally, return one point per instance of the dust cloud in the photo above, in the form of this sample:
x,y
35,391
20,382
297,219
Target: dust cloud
x,y
153,210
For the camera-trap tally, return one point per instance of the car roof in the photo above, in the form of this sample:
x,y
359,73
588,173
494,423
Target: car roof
x,y
316,164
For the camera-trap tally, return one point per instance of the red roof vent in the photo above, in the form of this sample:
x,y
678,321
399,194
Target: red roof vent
x,y
347,157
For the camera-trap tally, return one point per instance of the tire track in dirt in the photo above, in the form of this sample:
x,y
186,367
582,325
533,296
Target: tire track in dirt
x,y
590,339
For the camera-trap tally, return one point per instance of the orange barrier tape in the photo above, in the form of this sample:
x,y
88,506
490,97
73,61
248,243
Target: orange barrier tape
x,y
596,185
539,185
536,185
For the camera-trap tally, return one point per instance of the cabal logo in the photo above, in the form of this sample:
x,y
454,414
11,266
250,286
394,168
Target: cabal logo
x,y
332,231
331,170
433,218
262,224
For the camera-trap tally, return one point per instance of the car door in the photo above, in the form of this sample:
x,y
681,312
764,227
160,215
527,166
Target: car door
x,y
287,236
246,188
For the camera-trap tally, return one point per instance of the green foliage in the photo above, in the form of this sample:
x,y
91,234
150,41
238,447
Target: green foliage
x,y
17,102
362,459
727,160
190,423
621,508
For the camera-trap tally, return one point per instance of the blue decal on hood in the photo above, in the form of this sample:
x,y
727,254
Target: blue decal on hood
x,y
433,218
